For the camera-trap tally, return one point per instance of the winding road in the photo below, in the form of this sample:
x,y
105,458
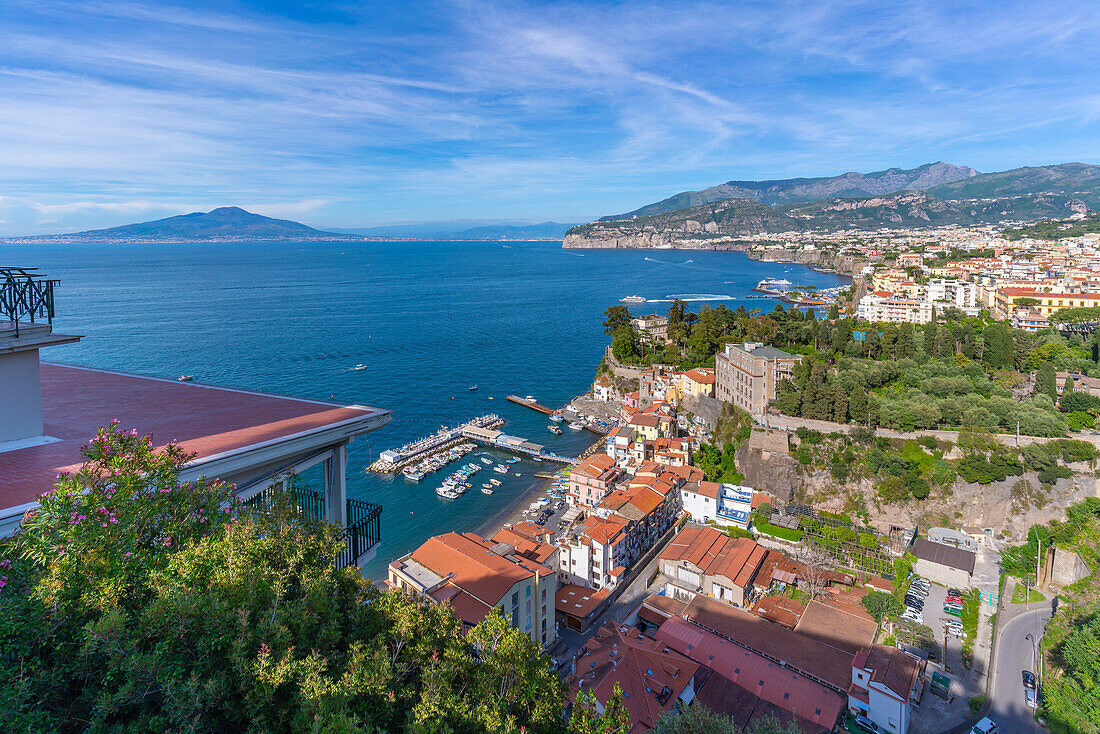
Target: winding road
x,y
1016,651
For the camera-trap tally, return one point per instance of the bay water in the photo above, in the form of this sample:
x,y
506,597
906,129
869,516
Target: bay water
x,y
425,320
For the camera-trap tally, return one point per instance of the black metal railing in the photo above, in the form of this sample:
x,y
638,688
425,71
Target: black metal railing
x,y
362,533
364,520
25,293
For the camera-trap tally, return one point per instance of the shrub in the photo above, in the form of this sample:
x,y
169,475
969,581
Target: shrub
x,y
880,605
778,532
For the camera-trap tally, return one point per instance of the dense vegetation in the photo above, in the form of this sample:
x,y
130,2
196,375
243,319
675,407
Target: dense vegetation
x,y
1070,701
1055,229
903,470
133,602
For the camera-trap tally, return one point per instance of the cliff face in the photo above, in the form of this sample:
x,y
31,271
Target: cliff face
x,y
1011,506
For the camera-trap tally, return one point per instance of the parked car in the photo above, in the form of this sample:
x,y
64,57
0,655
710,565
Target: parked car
x,y
956,599
915,601
954,611
866,724
1029,679
985,726
914,617
954,592
952,622
1031,698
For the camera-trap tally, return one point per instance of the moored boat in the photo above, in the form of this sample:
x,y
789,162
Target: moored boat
x,y
486,490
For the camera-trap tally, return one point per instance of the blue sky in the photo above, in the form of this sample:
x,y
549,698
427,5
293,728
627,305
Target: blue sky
x,y
354,114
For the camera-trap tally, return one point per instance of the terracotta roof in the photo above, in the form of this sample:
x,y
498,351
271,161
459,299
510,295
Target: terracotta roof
x,y
604,530
469,563
717,554
891,667
205,420
651,676
577,600
837,627
721,695
780,609
757,674
644,419
813,657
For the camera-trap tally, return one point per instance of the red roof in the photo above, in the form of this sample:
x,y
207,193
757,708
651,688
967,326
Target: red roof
x,y
205,420
770,681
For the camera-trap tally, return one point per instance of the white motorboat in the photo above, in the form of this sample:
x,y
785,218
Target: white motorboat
x,y
500,469
495,482
486,490
632,299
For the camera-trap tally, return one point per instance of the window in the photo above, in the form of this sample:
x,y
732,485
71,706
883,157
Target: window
x,y
528,591
515,598
515,617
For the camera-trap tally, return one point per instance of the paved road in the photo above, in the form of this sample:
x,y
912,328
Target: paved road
x,y
1016,653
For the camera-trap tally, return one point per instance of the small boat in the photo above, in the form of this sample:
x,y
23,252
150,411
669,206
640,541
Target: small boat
x,y
359,367
473,387
632,299
530,399
576,426
500,469
554,429
536,459
511,461
486,485
447,493
486,460
494,482
486,490
557,417
518,474
186,378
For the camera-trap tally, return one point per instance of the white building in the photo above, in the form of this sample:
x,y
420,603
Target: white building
x,y
726,504
960,294
884,681
887,307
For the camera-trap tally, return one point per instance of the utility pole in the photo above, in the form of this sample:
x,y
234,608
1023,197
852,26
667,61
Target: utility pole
x,y
1017,433
1038,557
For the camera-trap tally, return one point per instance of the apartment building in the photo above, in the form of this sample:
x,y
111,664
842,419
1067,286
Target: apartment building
x,y
652,329
592,479
474,575
1046,302
944,293
726,505
888,307
595,552
709,562
748,374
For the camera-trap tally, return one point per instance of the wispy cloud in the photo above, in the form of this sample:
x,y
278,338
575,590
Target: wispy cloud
x,y
348,116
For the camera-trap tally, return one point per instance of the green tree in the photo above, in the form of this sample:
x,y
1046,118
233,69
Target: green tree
x,y
1069,385
857,405
586,718
625,345
615,318
1046,381
134,602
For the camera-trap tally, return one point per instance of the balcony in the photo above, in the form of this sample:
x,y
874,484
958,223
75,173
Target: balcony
x,y
359,539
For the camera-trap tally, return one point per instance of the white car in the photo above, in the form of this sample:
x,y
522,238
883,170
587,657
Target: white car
x,y
913,616
985,726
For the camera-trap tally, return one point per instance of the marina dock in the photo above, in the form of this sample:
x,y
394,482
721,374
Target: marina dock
x,y
531,404
515,444
394,460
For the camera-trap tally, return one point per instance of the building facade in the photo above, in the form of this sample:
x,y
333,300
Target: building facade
x,y
747,375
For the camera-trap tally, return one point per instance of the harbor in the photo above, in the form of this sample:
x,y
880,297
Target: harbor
x,y
433,452
579,422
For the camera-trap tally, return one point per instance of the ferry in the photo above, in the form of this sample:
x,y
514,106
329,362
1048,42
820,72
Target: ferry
x,y
771,285
554,429
633,299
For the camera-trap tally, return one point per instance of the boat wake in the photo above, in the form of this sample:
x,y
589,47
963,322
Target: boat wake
x,y
692,297
668,262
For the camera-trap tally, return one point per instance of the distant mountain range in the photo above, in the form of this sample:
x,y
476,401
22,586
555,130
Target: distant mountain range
x,y
783,191
233,224
951,195
224,224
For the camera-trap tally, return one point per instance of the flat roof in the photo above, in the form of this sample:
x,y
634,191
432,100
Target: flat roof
x,y
944,555
206,420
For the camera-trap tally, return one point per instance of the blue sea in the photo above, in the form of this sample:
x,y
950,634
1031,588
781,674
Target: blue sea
x,y
428,319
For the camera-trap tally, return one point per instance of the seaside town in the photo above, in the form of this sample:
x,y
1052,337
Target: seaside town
x,y
549,367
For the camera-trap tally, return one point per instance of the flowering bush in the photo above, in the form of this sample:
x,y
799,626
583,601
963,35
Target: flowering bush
x,y
134,602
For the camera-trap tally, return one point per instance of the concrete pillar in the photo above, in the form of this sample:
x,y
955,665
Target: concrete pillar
x,y
336,487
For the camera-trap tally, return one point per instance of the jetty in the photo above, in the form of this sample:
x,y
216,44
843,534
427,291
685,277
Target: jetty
x,y
394,460
499,440
531,404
